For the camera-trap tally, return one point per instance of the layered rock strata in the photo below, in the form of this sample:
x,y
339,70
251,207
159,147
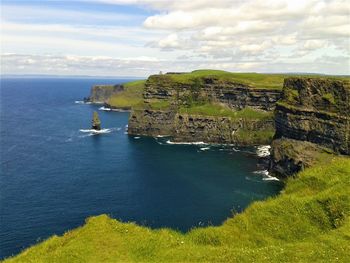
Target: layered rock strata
x,y
195,128
313,114
101,93
233,94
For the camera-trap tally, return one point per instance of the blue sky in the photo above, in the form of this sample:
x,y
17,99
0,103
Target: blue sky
x,y
141,37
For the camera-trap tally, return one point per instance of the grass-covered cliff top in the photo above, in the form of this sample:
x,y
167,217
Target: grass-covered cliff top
x,y
327,95
257,80
131,96
212,109
308,222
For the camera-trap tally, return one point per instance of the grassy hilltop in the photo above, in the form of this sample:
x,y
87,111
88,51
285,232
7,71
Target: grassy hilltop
x,y
308,222
132,96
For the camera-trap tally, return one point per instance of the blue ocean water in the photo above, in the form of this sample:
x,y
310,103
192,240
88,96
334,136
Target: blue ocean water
x,y
53,175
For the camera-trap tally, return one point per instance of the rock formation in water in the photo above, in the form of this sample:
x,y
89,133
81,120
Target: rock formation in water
x,y
101,93
96,123
312,119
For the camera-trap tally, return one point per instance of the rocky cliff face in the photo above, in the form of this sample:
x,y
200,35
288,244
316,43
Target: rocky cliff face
x,y
192,128
101,93
235,95
315,110
311,110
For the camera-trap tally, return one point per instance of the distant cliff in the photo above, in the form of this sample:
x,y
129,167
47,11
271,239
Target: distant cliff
x,y
312,118
232,93
208,106
102,93
194,127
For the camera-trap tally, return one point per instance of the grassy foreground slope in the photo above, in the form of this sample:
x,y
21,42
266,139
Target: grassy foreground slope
x,y
308,222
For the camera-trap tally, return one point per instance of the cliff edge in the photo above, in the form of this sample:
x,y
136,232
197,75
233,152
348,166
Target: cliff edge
x,y
100,94
312,119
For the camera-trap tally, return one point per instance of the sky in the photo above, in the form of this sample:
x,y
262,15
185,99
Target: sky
x,y
143,37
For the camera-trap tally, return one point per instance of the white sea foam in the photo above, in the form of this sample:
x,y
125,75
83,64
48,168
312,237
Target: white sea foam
x,y
266,175
262,172
263,150
162,136
81,102
96,131
186,143
270,178
104,108
204,148
137,137
93,131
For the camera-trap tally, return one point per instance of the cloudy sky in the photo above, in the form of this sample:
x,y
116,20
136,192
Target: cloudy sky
x,y
141,37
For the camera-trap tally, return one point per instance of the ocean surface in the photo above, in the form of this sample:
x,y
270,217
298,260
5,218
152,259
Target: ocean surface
x,y
55,173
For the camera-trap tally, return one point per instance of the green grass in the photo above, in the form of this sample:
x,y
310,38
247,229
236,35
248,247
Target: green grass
x,y
153,104
308,222
258,80
257,137
131,96
329,97
212,109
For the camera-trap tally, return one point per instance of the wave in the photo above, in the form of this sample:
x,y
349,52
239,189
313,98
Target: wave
x,y
266,175
162,136
104,108
204,148
271,178
263,150
137,137
81,102
96,131
186,143
92,132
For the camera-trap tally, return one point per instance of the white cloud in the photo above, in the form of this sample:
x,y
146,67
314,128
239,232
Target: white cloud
x,y
144,66
260,35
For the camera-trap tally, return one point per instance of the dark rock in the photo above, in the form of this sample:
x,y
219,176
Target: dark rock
x,y
235,95
96,123
304,113
192,128
312,122
101,93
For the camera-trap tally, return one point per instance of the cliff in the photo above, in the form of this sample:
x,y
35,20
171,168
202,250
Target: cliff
x,y
232,93
208,106
194,128
312,118
102,93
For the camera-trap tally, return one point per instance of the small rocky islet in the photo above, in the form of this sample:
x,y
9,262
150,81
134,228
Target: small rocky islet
x,y
96,123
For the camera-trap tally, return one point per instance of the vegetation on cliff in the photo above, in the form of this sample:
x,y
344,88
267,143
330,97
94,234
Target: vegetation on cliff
x,y
96,123
101,93
130,97
315,110
252,79
257,80
308,222
214,109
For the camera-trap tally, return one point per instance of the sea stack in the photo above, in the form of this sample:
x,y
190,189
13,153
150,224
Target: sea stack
x,y
96,123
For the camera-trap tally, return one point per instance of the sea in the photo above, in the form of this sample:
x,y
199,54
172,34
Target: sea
x,y
55,172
